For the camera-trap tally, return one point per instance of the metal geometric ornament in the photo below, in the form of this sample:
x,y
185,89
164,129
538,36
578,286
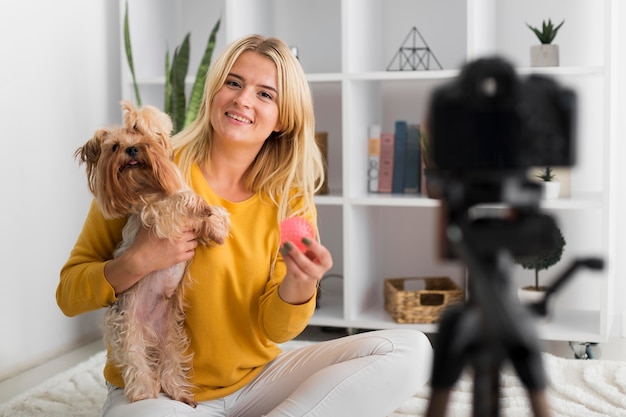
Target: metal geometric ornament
x,y
411,57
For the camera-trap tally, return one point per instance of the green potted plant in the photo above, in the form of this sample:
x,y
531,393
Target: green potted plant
x,y
549,182
181,110
546,54
539,262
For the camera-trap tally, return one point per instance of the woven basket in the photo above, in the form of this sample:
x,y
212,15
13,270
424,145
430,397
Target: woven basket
x,y
423,305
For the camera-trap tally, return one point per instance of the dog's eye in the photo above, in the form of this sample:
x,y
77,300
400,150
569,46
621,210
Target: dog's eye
x,y
116,147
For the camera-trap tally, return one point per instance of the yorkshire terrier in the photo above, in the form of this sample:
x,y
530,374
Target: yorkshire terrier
x,y
131,174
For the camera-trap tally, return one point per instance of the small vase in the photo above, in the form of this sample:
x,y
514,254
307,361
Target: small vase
x,y
531,295
551,190
544,55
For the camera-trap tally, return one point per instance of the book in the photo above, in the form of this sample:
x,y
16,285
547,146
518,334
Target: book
x,y
321,139
413,165
399,156
373,153
385,174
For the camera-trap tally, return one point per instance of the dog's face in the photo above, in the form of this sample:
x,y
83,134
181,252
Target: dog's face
x,y
130,165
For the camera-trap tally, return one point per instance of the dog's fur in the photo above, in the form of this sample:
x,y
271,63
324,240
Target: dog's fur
x,y
131,174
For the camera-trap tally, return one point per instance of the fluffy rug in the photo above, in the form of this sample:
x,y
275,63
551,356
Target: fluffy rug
x,y
577,389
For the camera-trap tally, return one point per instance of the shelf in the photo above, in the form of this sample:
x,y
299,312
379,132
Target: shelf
x,y
572,325
345,47
329,200
404,75
423,75
394,200
325,77
563,71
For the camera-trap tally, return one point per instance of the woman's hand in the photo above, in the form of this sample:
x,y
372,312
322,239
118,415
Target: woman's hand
x,y
147,254
304,270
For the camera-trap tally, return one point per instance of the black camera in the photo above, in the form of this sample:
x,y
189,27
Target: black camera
x,y
489,119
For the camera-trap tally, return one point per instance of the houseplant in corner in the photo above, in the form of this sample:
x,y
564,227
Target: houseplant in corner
x,y
546,54
181,111
539,261
550,184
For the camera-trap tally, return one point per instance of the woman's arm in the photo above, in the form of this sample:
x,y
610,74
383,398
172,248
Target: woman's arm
x,y
147,254
304,271
83,286
92,279
289,302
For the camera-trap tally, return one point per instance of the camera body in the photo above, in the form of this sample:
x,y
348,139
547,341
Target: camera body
x,y
487,128
489,120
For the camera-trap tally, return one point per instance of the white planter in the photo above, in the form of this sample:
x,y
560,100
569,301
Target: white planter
x,y
531,296
551,189
544,55
527,296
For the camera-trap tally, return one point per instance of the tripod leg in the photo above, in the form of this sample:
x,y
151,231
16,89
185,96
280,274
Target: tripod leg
x,y
438,402
539,403
456,332
486,400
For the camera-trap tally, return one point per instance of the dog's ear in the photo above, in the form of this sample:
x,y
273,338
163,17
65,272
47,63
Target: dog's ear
x,y
89,153
130,114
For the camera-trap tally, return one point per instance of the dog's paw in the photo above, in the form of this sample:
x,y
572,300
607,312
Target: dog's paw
x,y
185,397
215,225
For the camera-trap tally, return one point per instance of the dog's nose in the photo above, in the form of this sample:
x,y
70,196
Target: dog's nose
x,y
132,151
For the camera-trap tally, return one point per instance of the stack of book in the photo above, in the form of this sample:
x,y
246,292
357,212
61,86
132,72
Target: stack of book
x,y
398,159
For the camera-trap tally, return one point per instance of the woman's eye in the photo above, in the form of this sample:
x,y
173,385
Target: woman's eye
x,y
233,83
266,95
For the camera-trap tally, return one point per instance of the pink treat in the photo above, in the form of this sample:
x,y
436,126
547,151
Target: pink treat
x,y
293,229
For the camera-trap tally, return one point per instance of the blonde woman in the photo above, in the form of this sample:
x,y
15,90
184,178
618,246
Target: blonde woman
x,y
251,150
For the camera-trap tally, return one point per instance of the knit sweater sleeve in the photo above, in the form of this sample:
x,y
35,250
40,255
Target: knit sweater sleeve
x,y
83,286
280,320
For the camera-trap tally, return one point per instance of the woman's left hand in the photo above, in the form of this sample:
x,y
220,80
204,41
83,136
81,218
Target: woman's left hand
x,y
304,270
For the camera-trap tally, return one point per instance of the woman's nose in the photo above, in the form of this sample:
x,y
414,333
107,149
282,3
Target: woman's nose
x,y
243,98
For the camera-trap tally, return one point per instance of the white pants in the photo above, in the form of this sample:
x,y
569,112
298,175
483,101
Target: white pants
x,y
365,375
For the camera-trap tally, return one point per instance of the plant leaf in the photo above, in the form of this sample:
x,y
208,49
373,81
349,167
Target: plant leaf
x,y
168,83
129,55
197,90
178,73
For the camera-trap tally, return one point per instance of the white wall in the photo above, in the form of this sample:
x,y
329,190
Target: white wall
x,y
59,81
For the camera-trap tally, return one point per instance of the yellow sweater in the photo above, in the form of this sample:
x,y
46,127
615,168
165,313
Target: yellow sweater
x,y
234,313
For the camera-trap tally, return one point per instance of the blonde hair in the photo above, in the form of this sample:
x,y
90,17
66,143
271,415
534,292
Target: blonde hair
x,y
288,169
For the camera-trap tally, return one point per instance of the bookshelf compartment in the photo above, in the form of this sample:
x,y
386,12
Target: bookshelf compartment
x,y
578,42
376,29
345,47
327,101
317,37
399,242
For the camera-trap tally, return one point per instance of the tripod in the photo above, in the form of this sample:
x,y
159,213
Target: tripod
x,y
492,326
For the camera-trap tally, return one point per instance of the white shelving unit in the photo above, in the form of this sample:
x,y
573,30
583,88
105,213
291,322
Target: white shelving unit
x,y
345,47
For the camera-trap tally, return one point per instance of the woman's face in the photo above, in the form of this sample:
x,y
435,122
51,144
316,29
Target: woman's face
x,y
245,108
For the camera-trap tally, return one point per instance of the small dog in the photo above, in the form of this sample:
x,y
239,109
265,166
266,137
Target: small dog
x,y
131,173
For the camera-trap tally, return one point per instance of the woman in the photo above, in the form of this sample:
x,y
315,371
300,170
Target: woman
x,y
251,150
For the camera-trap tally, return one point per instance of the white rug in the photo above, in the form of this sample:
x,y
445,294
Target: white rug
x,y
577,389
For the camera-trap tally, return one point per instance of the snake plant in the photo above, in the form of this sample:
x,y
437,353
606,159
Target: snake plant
x,y
181,111
548,31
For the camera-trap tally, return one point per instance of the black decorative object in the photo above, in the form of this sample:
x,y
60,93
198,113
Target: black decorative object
x,y
412,56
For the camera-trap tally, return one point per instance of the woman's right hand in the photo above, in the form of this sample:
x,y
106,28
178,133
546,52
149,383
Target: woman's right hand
x,y
147,254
